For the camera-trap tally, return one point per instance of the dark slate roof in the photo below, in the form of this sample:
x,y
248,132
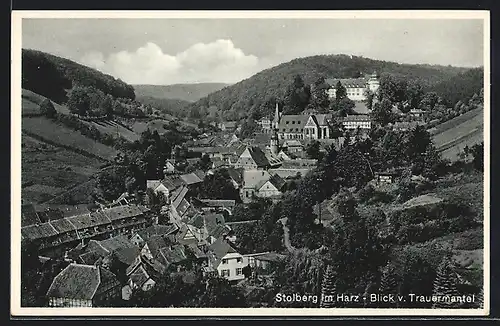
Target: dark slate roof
x,y
258,156
347,82
86,220
127,255
172,182
191,178
139,276
62,225
124,211
39,231
220,248
157,229
155,243
357,117
292,122
75,282
197,221
117,243
236,174
277,181
177,200
90,258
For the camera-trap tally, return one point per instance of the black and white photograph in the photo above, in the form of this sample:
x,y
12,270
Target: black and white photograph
x,y
275,163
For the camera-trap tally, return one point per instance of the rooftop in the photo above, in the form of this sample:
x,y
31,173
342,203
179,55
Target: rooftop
x,y
76,281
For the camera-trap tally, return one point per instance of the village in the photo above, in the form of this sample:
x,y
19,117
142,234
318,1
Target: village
x,y
119,248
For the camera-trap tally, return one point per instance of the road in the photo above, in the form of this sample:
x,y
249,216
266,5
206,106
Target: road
x,y
286,236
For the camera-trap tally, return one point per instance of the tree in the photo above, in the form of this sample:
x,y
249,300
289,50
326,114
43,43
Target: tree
x,y
313,150
415,94
106,106
297,96
248,128
220,293
320,96
30,268
388,283
328,290
79,101
478,154
47,108
111,182
218,186
445,284
340,92
382,112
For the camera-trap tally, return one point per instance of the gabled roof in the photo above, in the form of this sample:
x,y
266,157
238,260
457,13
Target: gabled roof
x,y
235,174
157,229
192,178
258,156
220,248
39,231
139,276
292,123
155,243
251,178
76,282
116,243
277,181
212,221
179,197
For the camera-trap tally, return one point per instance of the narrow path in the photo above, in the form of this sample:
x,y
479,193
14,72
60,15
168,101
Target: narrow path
x,y
286,235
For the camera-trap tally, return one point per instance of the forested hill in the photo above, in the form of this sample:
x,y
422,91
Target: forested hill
x,y
460,87
51,76
255,93
185,92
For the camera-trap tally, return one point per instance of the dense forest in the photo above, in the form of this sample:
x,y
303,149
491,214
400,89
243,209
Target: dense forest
x,y
260,91
185,92
52,76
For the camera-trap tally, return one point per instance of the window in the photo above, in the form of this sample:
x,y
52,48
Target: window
x,y
287,122
293,122
239,271
225,273
224,261
239,260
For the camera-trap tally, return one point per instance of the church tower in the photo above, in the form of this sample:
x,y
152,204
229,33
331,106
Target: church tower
x,y
373,82
277,117
274,141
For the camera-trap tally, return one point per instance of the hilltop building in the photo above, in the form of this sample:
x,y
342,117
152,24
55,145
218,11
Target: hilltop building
x,y
355,87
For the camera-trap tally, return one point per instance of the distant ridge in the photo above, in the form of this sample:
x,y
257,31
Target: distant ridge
x,y
185,92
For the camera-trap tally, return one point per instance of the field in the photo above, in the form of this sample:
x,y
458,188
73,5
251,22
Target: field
x,y
113,128
451,137
49,131
49,170
31,101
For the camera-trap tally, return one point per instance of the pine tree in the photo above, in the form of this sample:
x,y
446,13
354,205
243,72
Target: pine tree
x,y
445,284
328,289
388,283
480,298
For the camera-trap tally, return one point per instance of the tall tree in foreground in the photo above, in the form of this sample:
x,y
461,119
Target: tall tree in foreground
x,y
388,283
445,284
328,289
297,96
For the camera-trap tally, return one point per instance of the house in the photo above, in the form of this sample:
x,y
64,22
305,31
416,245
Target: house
x,y
207,228
353,122
169,167
293,146
271,188
228,126
355,87
56,236
141,236
252,178
265,125
263,260
417,113
386,177
252,158
215,205
224,259
83,286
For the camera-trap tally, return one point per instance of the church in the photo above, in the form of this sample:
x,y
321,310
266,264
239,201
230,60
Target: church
x,y
301,126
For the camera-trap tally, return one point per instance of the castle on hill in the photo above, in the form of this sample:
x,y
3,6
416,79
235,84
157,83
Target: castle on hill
x,y
355,87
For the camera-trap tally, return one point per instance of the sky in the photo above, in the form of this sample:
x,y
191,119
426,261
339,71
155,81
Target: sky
x,y
170,51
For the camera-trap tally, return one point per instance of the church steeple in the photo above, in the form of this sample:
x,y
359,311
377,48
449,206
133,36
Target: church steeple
x,y
277,117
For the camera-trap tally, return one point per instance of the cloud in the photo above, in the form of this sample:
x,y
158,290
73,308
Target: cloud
x,y
218,61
